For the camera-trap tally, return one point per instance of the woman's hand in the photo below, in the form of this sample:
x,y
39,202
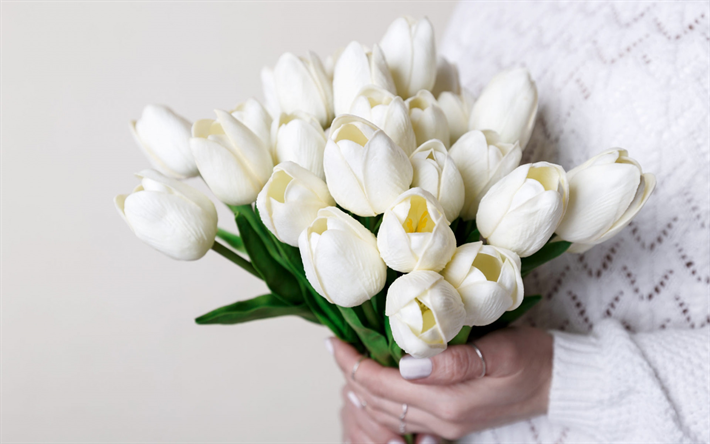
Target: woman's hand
x,y
445,394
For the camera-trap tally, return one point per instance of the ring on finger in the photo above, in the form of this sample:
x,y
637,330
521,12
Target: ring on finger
x,y
480,355
356,366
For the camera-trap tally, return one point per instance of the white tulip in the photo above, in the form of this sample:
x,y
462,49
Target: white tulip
x,y
365,170
387,112
410,52
508,106
164,137
482,159
253,114
436,172
522,210
232,159
425,312
170,216
447,78
414,234
428,120
605,193
457,109
302,84
330,61
290,201
356,67
341,260
269,88
299,138
488,280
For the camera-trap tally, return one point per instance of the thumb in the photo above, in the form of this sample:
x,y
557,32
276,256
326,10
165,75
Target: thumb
x,y
456,364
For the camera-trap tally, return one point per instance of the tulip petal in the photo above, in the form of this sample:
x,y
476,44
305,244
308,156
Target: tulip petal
x,y
408,287
648,184
351,73
460,264
485,302
423,74
297,89
343,184
387,172
249,148
411,343
496,202
398,48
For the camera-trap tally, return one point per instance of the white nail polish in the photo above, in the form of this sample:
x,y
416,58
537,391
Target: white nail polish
x,y
395,441
414,368
329,346
354,399
428,439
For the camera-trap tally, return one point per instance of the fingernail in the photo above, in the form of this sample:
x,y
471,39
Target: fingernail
x,y
428,439
414,368
329,346
354,399
395,441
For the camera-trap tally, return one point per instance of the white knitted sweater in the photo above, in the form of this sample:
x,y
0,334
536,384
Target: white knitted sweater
x,y
630,317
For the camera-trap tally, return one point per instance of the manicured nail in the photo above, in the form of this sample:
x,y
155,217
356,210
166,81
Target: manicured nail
x,y
354,399
395,441
428,439
329,346
414,368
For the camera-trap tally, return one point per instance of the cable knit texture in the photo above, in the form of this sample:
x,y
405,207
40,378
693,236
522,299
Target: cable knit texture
x,y
630,317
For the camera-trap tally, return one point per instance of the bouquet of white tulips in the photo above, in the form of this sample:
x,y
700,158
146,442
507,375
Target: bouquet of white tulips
x,y
375,196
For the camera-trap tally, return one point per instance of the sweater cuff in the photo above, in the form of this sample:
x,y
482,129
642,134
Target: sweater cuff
x,y
577,381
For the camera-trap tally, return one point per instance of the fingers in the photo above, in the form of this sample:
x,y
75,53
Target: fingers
x,y
388,412
361,427
379,381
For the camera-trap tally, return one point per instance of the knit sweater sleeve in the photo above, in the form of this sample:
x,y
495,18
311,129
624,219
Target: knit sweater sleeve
x,y
648,387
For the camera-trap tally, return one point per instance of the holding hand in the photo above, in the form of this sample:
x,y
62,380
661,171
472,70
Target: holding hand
x,y
446,395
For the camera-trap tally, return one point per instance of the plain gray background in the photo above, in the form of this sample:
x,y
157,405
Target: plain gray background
x,y
98,338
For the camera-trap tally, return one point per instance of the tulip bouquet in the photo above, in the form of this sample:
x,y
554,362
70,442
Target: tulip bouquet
x,y
375,196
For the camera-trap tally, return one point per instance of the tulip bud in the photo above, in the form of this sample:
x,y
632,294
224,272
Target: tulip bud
x,y
365,170
164,137
170,216
330,61
428,120
414,234
605,193
231,158
522,210
290,201
302,84
482,159
425,312
507,105
340,258
488,280
410,52
435,172
387,112
270,97
457,109
447,78
253,114
299,138
356,67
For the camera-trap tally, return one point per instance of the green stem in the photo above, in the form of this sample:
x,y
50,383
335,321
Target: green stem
x,y
233,240
234,257
371,316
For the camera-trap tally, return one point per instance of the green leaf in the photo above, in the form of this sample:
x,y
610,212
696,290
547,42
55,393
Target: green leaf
x,y
548,252
279,280
233,240
374,341
461,337
260,307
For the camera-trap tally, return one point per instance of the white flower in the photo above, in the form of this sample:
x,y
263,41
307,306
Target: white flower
x,y
436,172
488,280
164,137
290,201
302,84
447,78
341,260
356,67
425,313
170,216
231,158
522,210
365,170
605,193
508,106
253,114
387,112
482,159
457,109
410,52
269,88
330,61
299,138
428,120
414,234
